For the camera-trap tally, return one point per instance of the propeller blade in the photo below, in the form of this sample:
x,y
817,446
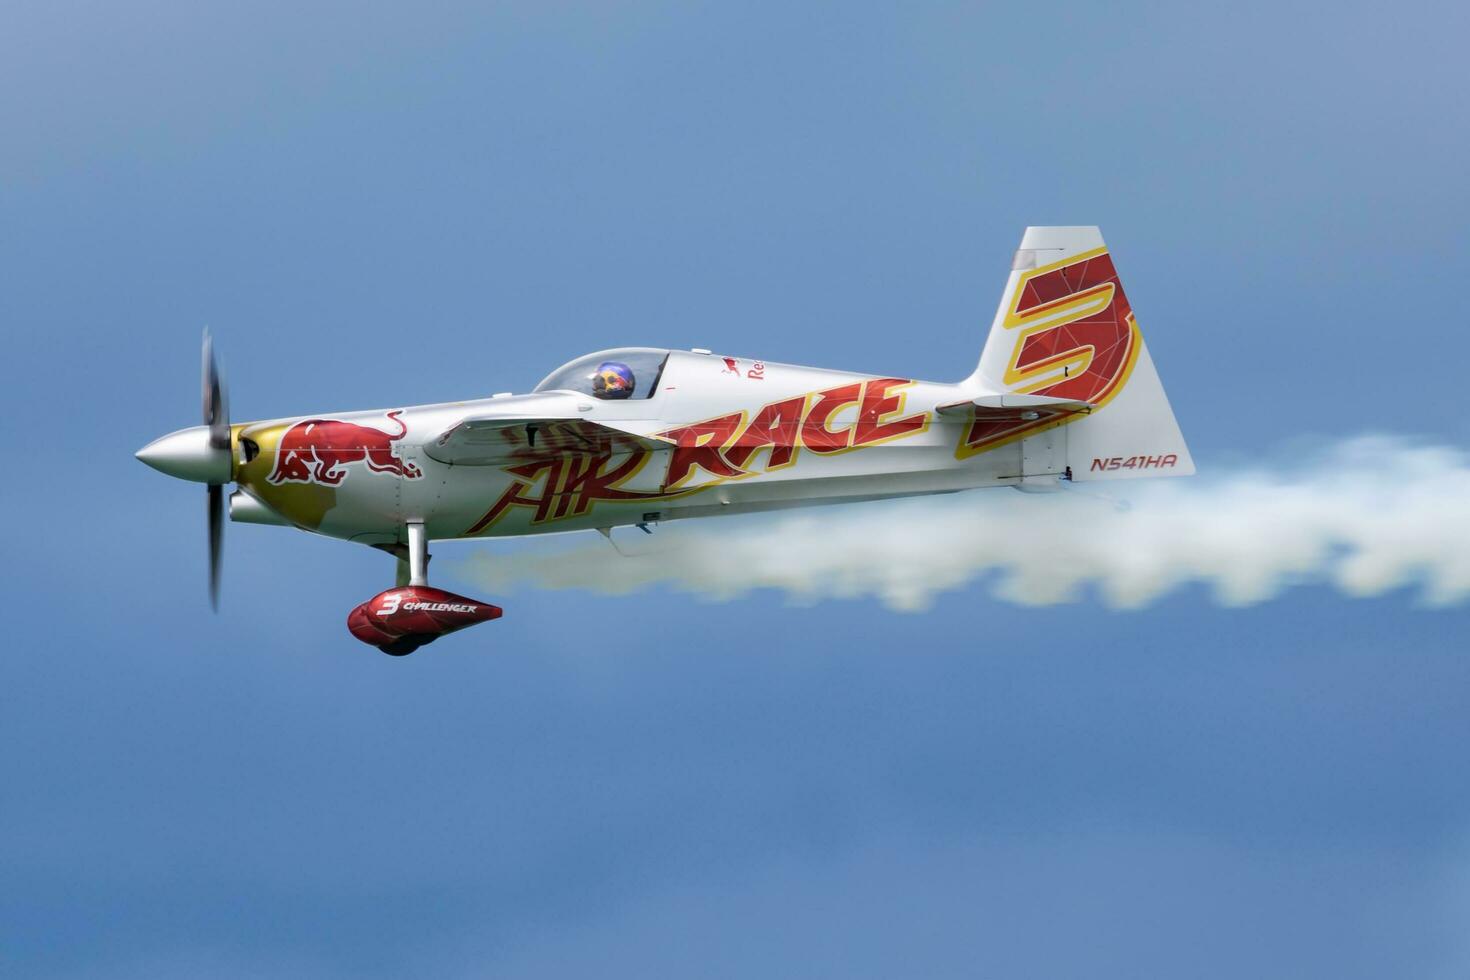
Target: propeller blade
x,y
217,417
216,398
216,540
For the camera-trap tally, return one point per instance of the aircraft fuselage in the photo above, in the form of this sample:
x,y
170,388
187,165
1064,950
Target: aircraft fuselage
x,y
720,435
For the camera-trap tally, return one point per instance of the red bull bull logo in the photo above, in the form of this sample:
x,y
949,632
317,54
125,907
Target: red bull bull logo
x,y
320,450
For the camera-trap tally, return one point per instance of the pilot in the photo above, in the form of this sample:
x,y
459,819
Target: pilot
x,y
613,379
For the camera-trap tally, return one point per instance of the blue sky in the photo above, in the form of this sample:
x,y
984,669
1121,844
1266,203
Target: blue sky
x,y
387,206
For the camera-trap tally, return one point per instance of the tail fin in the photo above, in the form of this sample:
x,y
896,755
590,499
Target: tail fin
x,y
1066,336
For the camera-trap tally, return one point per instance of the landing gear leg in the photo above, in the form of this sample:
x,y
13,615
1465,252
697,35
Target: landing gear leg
x,y
418,554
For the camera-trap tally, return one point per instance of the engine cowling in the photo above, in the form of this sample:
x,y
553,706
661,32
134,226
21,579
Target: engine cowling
x,y
401,620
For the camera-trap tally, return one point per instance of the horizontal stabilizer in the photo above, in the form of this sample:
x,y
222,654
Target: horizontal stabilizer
x,y
1015,406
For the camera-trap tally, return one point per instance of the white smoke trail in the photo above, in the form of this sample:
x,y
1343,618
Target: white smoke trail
x,y
1366,516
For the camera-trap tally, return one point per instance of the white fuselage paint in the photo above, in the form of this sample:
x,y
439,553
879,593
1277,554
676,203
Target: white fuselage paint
x,y
373,506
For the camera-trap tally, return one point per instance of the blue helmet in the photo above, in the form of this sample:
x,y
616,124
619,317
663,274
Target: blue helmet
x,y
613,379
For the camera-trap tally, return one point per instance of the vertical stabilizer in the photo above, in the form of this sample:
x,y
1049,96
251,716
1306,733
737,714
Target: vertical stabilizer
x,y
1065,330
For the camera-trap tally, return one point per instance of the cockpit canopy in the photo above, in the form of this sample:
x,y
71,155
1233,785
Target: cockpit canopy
x,y
628,372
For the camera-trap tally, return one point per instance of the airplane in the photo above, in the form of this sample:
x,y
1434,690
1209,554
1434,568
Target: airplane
x,y
1064,391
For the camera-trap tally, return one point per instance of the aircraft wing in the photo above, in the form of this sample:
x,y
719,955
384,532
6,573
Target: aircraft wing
x,y
1000,407
498,441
